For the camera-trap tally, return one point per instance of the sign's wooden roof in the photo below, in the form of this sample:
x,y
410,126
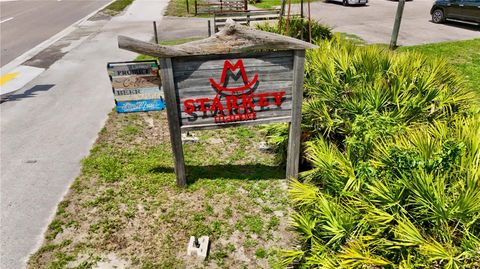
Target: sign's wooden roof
x,y
233,38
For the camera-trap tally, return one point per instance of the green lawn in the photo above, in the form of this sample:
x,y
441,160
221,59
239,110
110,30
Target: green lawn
x,y
117,7
178,8
464,55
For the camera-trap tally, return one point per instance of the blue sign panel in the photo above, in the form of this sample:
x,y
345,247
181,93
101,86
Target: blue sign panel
x,y
140,105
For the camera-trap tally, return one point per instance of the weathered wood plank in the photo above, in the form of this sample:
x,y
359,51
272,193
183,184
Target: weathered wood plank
x,y
205,117
278,64
233,38
274,80
234,124
134,82
265,56
191,92
252,13
223,22
173,120
284,74
295,124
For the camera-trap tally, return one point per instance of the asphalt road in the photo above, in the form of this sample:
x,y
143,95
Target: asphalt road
x,y
374,22
49,125
26,23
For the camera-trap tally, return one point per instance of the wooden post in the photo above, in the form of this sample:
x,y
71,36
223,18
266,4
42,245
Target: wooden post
x,y
295,132
188,9
309,23
396,26
245,5
301,9
288,18
282,13
155,31
214,23
173,120
209,29
196,7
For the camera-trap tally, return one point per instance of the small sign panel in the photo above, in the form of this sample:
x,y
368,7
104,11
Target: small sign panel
x,y
136,86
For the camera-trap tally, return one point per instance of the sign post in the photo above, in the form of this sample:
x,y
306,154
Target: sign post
x,y
396,25
239,76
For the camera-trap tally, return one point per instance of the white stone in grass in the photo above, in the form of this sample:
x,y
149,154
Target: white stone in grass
x,y
263,146
189,138
150,123
215,141
199,248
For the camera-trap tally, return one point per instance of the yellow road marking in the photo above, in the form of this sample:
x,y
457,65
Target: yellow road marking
x,y
4,79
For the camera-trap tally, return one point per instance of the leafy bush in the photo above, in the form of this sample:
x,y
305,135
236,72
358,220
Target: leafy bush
x,y
414,204
355,94
298,28
394,158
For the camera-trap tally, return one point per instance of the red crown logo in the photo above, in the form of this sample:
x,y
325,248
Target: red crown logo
x,y
221,87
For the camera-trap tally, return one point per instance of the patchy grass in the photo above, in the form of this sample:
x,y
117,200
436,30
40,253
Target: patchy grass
x,y
178,41
178,8
464,55
117,7
125,209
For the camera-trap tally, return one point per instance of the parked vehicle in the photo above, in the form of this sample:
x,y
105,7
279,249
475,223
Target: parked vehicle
x,y
465,10
350,2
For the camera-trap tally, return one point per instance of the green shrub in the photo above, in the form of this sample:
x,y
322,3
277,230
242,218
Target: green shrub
x,y
298,28
355,94
414,204
393,159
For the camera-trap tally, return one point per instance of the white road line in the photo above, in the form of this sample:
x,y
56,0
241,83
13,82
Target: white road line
x,y
5,20
45,44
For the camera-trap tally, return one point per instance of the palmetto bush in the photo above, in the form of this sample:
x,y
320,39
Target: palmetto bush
x,y
298,27
355,94
393,155
414,204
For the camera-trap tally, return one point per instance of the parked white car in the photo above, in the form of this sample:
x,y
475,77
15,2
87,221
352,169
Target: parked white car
x,y
350,2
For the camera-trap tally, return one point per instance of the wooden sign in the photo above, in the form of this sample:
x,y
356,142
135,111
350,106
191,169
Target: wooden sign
x,y
225,90
238,76
136,86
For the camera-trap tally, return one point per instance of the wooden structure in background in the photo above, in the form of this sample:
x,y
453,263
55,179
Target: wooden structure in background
x,y
244,17
220,6
202,90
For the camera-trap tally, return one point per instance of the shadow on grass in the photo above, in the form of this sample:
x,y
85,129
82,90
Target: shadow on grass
x,y
228,171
